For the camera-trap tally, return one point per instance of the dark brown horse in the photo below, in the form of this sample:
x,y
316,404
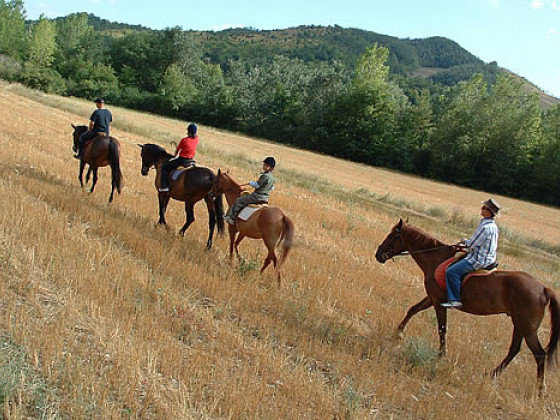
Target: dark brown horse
x,y
514,293
101,151
191,186
268,223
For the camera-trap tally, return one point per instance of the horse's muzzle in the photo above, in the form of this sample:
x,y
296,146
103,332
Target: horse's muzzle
x,y
381,257
144,171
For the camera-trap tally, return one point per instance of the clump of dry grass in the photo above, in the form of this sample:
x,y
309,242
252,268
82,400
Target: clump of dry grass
x,y
116,317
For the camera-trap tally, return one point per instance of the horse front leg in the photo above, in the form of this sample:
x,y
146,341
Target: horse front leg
x,y
189,211
94,179
232,230
88,174
441,316
211,221
81,173
419,307
240,237
163,198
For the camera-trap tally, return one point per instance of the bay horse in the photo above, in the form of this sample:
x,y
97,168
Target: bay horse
x,y
270,224
514,293
102,151
191,186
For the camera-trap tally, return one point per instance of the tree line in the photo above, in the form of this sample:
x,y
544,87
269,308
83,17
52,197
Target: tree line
x,y
487,132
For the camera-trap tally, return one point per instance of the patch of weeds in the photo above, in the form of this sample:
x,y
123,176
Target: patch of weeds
x,y
353,401
21,386
436,212
420,354
246,266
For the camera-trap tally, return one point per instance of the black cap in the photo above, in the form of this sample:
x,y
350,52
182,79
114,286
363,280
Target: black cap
x,y
99,100
270,161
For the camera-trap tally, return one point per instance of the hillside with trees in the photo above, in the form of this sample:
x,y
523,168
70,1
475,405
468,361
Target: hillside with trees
x,y
426,106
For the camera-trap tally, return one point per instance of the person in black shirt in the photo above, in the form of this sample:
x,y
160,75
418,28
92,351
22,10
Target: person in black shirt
x,y
99,122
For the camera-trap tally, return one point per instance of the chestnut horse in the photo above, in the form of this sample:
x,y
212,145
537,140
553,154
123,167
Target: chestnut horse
x,y
191,186
267,223
515,293
101,151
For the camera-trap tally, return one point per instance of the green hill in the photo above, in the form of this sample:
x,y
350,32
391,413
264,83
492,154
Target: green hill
x,y
435,60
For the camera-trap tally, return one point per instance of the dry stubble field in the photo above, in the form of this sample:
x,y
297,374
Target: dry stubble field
x,y
103,314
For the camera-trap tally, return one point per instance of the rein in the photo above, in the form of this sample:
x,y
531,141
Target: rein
x,y
421,251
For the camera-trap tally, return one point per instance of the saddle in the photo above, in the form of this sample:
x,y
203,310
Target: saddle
x,y
442,268
248,211
177,172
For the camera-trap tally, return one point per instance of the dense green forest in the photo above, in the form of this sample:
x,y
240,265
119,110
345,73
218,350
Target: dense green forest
x,y
423,106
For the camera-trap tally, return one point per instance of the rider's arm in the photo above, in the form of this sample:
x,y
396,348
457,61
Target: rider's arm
x,y
253,184
478,238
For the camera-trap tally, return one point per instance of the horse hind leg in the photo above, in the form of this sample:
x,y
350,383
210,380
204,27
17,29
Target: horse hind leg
x,y
271,257
540,356
514,348
189,211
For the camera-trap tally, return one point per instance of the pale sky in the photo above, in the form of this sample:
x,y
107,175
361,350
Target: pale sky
x,y
521,35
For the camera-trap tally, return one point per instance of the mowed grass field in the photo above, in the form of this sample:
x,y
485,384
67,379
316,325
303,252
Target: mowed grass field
x,y
104,314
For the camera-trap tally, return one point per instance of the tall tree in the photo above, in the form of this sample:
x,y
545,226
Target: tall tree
x,y
42,42
12,28
364,120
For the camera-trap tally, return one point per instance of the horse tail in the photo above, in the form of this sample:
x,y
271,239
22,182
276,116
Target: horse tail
x,y
219,212
286,239
554,307
114,159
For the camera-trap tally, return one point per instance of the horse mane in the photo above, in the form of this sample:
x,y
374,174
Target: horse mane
x,y
155,149
417,236
232,180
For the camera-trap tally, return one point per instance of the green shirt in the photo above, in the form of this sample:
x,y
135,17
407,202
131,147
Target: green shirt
x,y
265,184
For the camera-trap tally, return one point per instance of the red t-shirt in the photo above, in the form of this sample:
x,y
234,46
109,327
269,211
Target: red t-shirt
x,y
187,147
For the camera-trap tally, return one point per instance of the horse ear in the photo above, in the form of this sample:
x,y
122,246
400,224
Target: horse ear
x,y
406,221
73,126
219,171
141,146
399,225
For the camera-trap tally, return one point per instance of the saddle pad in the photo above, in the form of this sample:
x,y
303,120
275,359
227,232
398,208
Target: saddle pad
x,y
440,273
247,212
175,174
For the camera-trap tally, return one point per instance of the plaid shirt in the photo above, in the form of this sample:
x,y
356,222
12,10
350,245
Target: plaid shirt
x,y
483,244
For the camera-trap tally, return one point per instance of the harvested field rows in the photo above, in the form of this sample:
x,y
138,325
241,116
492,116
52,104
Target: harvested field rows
x,y
106,315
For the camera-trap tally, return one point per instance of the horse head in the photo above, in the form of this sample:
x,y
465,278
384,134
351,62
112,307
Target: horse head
x,y
225,183
392,245
151,154
78,131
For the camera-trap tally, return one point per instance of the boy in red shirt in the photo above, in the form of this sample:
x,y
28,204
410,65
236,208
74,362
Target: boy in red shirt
x,y
184,156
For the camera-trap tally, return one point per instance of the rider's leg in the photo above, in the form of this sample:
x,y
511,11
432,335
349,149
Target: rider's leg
x,y
83,138
453,279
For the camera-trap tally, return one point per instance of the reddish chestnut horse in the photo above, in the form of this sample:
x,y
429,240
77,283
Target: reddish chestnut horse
x,y
191,186
268,223
514,293
101,151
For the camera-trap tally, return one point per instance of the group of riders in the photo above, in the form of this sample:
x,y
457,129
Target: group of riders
x,y
480,248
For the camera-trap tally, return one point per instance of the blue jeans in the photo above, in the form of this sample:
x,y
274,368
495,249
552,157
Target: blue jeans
x,y
453,279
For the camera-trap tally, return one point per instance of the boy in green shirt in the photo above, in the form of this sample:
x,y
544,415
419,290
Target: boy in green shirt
x,y
262,186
